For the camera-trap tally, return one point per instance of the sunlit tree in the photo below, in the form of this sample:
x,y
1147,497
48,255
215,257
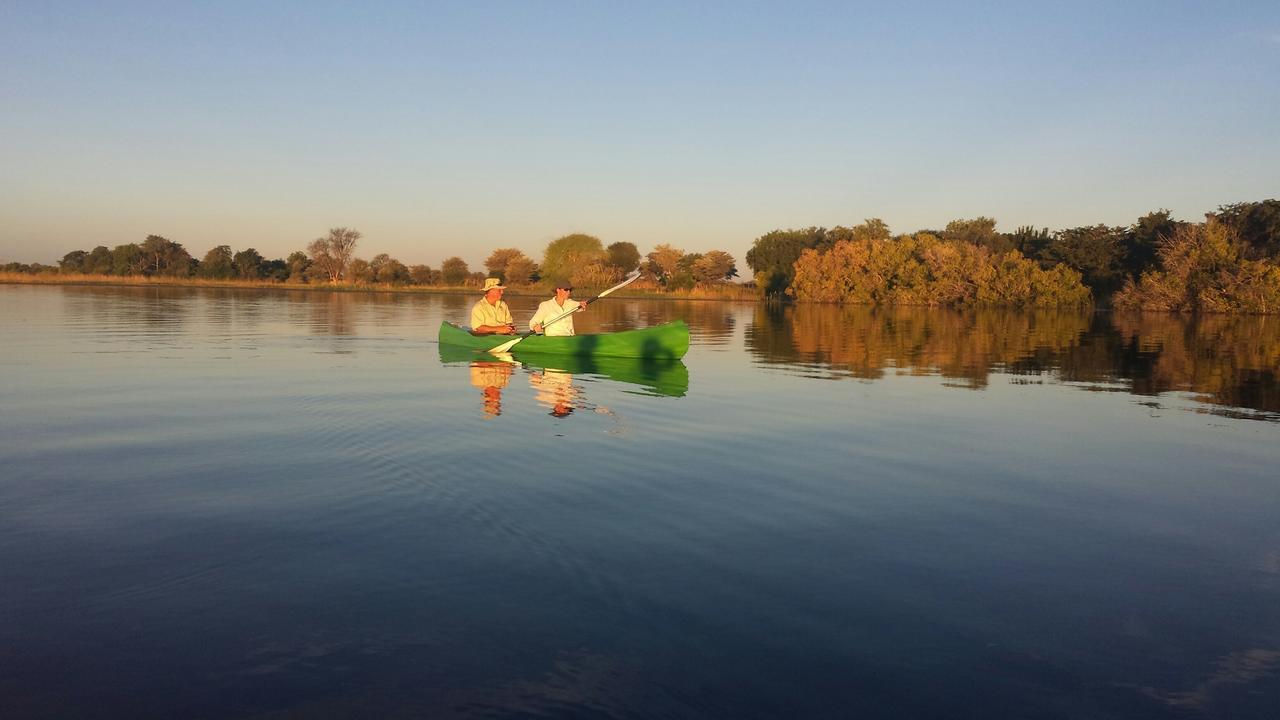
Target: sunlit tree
x,y
73,262
772,257
359,271
664,262
1143,240
218,264
165,257
1096,251
387,269
298,263
128,259
98,261
500,261
454,271
978,231
1257,224
623,257
331,254
713,267
248,264
276,269
424,275
569,255
1205,268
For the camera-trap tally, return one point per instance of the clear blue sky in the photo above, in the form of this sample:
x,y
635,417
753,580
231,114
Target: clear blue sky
x,y
463,127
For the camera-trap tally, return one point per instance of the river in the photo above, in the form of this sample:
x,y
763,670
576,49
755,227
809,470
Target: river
x,y
261,504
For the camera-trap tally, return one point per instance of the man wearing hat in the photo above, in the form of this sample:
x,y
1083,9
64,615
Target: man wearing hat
x,y
491,316
551,309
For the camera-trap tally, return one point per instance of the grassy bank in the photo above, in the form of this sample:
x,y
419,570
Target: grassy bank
x,y
726,292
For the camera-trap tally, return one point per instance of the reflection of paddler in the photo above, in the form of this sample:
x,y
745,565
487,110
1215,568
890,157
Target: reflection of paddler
x,y
554,389
491,378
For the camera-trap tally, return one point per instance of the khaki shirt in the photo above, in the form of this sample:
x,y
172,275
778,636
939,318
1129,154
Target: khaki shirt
x,y
482,313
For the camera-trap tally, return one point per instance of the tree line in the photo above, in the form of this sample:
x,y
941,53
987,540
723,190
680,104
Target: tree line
x,y
579,258
1228,263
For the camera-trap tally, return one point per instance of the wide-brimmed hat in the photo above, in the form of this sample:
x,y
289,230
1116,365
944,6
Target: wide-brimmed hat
x,y
493,284
562,282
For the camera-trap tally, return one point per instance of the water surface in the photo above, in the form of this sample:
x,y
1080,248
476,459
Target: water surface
x,y
227,503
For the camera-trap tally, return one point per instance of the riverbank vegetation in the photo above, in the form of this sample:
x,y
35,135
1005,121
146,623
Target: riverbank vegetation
x,y
1205,268
330,263
922,269
1228,263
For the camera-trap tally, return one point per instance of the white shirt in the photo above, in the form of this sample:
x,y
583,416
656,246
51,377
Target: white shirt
x,y
548,309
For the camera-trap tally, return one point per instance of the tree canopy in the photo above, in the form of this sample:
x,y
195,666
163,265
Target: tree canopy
x,y
1205,268
1143,241
248,264
1229,262
218,264
1256,223
1097,251
714,266
924,270
331,254
162,256
979,231
773,256
663,262
573,256
454,271
623,257
510,265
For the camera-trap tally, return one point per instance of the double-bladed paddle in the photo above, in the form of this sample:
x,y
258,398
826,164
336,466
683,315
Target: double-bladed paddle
x,y
504,347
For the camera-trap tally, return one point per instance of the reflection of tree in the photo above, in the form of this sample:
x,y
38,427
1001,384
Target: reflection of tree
x,y
158,311
161,308
1227,359
233,310
331,315
712,323
863,341
491,377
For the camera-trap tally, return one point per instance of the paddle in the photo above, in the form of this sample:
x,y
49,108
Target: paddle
x,y
504,347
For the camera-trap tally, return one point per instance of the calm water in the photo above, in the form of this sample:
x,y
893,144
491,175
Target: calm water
x,y
273,504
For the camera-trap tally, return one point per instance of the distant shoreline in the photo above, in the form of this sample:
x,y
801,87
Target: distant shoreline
x,y
735,292
728,293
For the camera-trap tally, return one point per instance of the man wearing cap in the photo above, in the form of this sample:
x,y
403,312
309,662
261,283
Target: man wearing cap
x,y
551,309
491,316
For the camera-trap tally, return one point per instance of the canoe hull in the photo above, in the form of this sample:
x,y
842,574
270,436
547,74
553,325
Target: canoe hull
x,y
661,342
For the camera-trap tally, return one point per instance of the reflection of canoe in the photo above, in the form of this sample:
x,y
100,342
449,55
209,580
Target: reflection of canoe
x,y
659,377
660,342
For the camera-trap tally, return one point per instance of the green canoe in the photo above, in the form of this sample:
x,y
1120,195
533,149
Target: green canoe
x,y
660,342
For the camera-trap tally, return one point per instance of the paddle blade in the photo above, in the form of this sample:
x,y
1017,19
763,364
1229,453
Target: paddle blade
x,y
504,347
